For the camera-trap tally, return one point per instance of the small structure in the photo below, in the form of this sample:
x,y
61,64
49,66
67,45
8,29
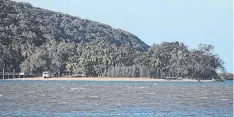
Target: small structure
x,y
46,74
11,75
79,74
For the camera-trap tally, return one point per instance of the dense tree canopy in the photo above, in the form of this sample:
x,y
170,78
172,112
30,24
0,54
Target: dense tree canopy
x,y
33,40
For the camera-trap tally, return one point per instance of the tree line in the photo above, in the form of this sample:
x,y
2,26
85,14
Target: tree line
x,y
33,40
168,59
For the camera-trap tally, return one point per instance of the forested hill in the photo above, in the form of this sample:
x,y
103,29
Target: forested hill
x,y
33,40
23,21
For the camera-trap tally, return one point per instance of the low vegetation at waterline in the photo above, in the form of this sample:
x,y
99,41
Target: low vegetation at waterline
x,y
34,40
227,76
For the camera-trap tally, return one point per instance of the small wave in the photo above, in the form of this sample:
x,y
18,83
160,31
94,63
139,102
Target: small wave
x,y
155,84
204,97
137,87
1,95
77,88
94,97
225,99
62,102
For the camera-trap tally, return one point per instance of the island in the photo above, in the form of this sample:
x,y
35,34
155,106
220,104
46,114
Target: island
x,y
34,40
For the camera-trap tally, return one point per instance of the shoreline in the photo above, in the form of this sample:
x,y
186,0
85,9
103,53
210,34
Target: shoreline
x,y
108,79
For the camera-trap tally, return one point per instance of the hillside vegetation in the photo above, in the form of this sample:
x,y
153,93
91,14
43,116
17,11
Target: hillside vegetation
x,y
33,40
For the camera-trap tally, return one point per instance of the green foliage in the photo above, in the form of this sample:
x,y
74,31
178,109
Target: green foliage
x,y
69,67
175,60
34,40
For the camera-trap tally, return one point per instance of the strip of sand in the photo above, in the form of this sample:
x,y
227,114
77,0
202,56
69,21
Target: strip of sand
x,y
111,79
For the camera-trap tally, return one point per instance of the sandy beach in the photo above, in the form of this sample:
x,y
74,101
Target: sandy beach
x,y
111,79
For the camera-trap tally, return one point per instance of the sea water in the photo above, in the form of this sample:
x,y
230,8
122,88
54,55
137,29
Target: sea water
x,y
115,99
